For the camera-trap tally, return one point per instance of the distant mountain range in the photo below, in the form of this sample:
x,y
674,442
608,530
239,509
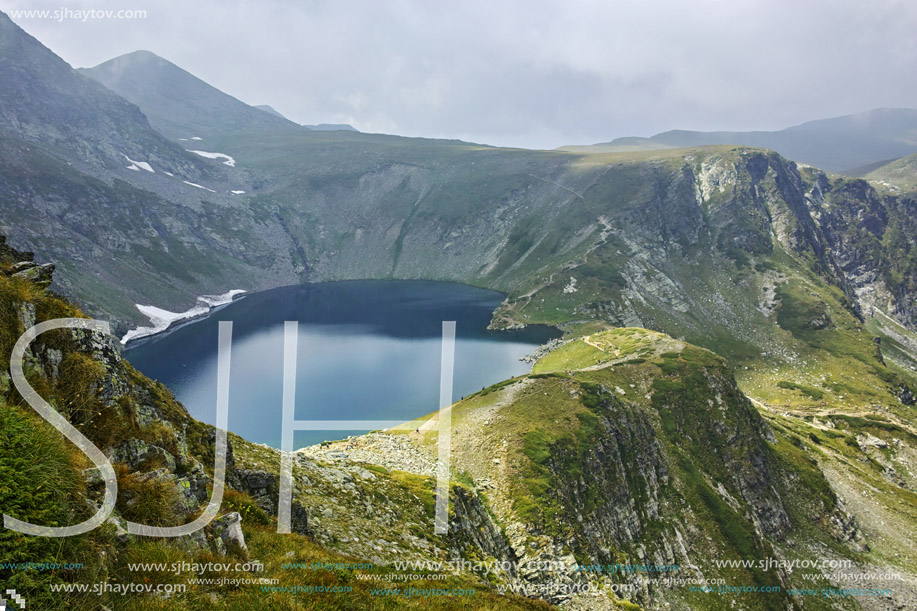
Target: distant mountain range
x,y
840,144
321,127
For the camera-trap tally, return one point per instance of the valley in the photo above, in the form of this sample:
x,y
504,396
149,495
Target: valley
x,y
732,393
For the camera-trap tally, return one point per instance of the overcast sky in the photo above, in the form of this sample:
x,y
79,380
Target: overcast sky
x,y
528,73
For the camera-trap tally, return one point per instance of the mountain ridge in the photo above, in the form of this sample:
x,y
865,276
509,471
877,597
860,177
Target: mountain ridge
x,y
836,144
185,106
46,102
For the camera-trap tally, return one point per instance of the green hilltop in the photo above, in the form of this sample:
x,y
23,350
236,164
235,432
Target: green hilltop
x,y
628,446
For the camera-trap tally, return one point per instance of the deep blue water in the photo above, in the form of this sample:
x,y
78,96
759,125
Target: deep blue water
x,y
367,350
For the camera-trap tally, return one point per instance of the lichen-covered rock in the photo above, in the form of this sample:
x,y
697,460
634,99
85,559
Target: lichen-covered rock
x,y
227,531
136,453
261,485
42,275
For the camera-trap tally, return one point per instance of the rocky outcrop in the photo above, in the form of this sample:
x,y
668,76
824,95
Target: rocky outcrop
x,y
472,526
615,493
33,272
22,265
158,450
227,530
868,237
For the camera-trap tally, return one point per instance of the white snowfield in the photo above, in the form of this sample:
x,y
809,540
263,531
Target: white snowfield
x,y
227,159
198,186
162,319
139,165
237,192
218,300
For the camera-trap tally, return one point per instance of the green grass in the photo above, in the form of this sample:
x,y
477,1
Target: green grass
x,y
608,346
808,391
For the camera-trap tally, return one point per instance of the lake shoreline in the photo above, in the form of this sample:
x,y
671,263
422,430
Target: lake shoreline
x,y
368,350
131,339
164,320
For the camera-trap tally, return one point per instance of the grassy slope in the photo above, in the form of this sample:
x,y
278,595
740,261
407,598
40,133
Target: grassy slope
x,y
898,176
529,422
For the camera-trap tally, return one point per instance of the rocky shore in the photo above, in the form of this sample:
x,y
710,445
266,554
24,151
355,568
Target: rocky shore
x,y
392,451
544,349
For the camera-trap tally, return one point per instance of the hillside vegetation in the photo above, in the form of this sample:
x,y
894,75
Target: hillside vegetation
x,y
164,460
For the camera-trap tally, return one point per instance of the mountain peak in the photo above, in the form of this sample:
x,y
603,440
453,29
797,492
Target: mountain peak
x,y
44,101
138,60
176,102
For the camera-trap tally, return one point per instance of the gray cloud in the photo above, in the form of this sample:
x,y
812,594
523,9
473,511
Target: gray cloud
x,y
522,72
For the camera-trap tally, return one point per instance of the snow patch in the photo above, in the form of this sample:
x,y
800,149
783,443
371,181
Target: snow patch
x,y
218,300
237,192
227,159
168,173
196,138
198,186
160,319
139,165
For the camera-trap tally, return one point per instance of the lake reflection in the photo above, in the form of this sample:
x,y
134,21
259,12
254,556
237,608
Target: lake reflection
x,y
367,350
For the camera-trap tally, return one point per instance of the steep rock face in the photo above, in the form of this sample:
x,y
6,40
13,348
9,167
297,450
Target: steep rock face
x,y
872,238
650,456
613,491
621,495
472,527
731,429
118,235
847,232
